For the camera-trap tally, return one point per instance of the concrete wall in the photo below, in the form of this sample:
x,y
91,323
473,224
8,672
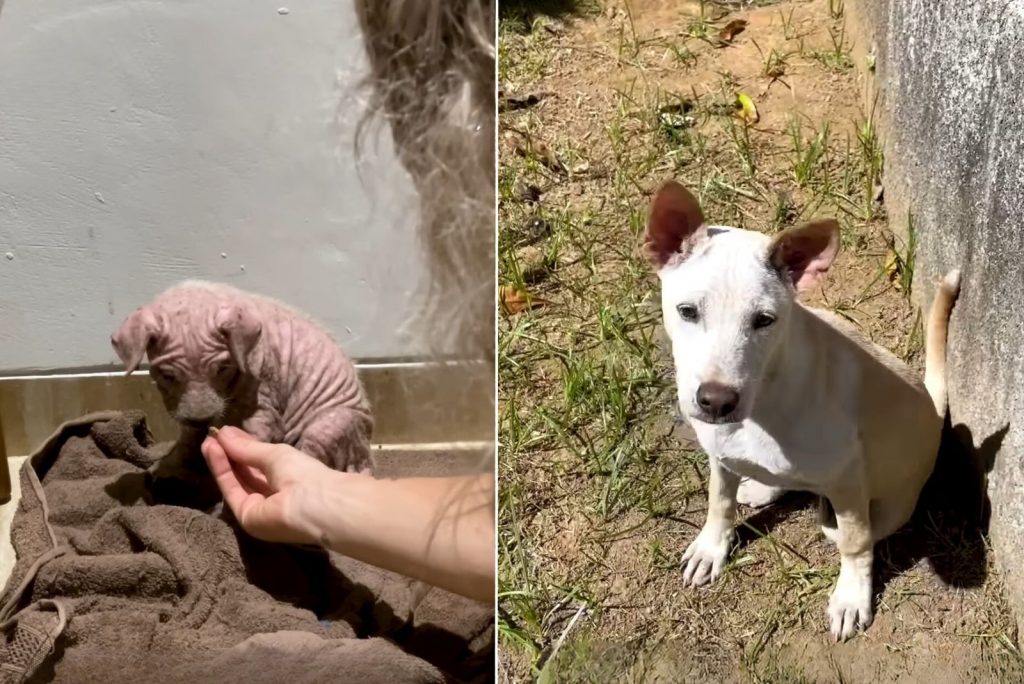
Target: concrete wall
x,y
950,81
143,142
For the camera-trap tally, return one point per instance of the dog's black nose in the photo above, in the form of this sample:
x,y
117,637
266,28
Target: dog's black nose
x,y
716,399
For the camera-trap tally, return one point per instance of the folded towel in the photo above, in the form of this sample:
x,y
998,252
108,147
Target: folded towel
x,y
110,586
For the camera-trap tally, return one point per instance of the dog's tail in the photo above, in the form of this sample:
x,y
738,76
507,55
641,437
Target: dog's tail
x,y
935,339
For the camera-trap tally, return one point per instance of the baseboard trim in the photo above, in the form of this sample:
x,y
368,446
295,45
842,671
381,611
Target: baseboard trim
x,y
417,405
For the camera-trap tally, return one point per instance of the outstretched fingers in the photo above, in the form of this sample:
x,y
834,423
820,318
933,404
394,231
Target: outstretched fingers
x,y
241,447
239,493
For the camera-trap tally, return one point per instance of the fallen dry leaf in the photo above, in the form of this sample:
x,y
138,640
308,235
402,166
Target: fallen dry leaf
x,y
746,110
732,29
513,300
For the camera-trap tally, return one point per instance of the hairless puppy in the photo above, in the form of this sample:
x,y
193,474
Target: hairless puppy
x,y
221,356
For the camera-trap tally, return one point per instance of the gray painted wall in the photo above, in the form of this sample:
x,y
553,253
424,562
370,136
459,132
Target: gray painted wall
x,y
951,80
143,142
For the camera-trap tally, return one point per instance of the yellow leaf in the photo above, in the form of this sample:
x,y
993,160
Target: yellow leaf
x,y
746,110
893,269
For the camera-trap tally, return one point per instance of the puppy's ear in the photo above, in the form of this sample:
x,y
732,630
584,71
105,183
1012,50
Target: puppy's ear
x,y
241,328
133,338
674,226
804,253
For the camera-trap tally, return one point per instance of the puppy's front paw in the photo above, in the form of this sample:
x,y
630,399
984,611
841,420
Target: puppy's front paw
x,y
754,494
849,608
705,557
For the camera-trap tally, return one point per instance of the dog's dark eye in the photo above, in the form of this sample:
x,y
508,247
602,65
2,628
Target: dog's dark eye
x,y
224,370
688,312
165,374
763,319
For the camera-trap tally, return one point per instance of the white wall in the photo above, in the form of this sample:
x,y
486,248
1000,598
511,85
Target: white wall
x,y
143,142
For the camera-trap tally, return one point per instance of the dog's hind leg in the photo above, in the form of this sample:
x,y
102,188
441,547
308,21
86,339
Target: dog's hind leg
x,y
827,520
889,515
340,437
757,495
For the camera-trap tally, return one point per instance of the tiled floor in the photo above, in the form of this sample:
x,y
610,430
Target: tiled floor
x,y
6,515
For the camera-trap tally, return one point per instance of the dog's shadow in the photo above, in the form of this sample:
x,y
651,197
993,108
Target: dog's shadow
x,y
950,524
948,527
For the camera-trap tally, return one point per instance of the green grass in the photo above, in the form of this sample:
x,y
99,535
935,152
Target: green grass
x,y
701,27
837,58
872,161
807,152
904,255
789,31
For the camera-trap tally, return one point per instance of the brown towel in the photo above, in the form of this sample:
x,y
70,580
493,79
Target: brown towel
x,y
112,587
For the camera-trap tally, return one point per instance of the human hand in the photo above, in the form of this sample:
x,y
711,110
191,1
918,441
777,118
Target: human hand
x,y
269,487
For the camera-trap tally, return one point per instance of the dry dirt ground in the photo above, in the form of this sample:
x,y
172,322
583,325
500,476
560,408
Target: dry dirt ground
x,y
600,488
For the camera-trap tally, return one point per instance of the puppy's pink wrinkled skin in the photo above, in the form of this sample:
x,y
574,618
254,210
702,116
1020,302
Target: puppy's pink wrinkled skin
x,y
221,356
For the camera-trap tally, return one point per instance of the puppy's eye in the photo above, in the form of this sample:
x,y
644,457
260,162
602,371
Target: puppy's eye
x,y
165,374
763,319
224,370
688,312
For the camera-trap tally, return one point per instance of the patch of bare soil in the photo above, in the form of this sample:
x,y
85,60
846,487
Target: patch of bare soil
x,y
601,489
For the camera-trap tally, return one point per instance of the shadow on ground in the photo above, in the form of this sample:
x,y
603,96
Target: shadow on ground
x,y
951,520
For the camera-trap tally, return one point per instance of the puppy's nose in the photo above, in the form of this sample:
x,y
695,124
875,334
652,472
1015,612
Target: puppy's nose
x,y
716,399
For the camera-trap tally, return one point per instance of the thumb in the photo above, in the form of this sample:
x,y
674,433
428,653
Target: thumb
x,y
242,447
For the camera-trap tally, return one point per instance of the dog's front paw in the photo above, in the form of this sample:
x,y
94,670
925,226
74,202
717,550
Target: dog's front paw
x,y
849,608
754,494
705,557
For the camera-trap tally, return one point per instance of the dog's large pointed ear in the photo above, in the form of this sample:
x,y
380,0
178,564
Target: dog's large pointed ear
x,y
805,253
241,328
134,337
674,226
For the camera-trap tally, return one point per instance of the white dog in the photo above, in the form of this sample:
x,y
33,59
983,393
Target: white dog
x,y
791,397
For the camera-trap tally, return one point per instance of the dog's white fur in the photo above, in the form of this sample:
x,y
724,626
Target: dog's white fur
x,y
820,408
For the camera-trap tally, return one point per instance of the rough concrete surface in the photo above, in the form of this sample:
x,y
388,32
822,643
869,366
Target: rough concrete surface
x,y
949,81
145,143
